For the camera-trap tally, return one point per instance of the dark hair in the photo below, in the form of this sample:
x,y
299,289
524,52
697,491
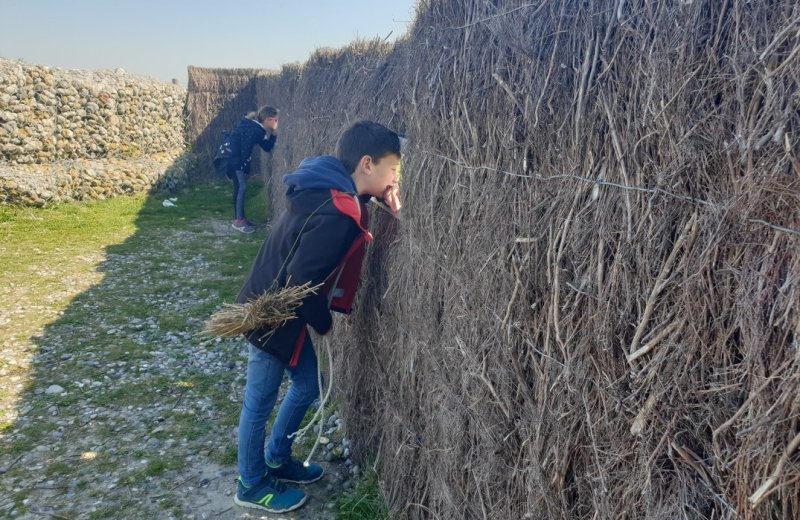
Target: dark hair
x,y
263,113
366,138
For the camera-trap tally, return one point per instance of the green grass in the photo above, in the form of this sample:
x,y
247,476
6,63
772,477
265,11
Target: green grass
x,y
104,462
20,446
43,229
364,502
190,427
98,274
105,512
158,466
86,282
58,468
42,247
173,321
226,457
169,502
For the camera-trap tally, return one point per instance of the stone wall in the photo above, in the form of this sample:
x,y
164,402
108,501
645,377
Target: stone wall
x,y
61,129
91,179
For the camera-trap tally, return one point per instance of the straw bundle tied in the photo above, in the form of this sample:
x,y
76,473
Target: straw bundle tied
x,y
271,310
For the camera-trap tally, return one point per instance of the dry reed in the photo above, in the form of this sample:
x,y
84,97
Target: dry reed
x,y
270,310
591,306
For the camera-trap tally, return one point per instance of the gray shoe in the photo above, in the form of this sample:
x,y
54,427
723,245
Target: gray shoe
x,y
242,226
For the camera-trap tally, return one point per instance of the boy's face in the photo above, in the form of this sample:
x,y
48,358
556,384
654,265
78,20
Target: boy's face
x,y
380,174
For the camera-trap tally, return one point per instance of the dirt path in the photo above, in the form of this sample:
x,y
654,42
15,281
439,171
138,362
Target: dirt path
x,y
112,405
216,486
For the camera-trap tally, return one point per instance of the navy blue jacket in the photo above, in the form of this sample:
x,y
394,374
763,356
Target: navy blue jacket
x,y
322,221
235,152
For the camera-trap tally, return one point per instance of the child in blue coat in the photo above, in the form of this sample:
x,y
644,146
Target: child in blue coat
x,y
320,238
234,154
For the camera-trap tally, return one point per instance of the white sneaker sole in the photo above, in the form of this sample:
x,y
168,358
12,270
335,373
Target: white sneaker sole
x,y
251,505
243,230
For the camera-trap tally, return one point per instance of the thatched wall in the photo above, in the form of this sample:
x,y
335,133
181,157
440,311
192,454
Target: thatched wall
x,y
589,308
323,98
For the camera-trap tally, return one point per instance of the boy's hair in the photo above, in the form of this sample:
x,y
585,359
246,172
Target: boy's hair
x,y
366,138
263,113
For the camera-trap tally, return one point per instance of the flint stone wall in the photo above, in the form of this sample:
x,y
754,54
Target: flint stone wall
x,y
81,134
91,179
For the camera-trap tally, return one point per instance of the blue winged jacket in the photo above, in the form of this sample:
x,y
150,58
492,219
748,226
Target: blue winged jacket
x,y
235,151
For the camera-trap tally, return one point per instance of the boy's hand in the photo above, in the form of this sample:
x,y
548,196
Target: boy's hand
x,y
391,196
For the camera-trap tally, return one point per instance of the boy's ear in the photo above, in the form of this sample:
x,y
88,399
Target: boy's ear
x,y
365,164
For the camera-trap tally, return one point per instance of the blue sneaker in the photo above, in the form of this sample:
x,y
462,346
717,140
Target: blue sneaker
x,y
295,471
268,495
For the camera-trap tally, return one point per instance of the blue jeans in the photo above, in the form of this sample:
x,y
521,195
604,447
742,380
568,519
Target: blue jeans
x,y
264,376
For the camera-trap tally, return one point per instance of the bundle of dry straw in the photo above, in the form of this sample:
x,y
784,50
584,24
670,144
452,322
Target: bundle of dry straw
x,y
270,310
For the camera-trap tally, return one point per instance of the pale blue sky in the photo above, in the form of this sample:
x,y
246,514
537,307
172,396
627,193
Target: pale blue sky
x,y
161,38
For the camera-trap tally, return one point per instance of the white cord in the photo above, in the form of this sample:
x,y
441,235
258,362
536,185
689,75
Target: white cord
x,y
320,413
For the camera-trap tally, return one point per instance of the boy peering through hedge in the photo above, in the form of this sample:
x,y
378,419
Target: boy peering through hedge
x,y
319,238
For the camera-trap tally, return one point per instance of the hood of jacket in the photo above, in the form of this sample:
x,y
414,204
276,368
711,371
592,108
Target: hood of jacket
x,y
252,123
311,184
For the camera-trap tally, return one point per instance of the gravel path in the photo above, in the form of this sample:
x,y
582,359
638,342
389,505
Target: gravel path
x,y
115,407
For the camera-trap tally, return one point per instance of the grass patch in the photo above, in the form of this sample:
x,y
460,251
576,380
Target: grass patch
x,y
173,321
169,502
58,468
305,443
104,298
104,463
95,223
364,502
104,513
146,391
189,426
123,349
158,466
27,439
229,412
226,457
154,468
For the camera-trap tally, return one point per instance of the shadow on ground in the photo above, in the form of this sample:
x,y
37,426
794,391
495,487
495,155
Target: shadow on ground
x,y
112,405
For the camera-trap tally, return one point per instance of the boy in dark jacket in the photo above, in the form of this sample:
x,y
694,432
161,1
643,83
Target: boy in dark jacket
x,y
319,239
233,156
